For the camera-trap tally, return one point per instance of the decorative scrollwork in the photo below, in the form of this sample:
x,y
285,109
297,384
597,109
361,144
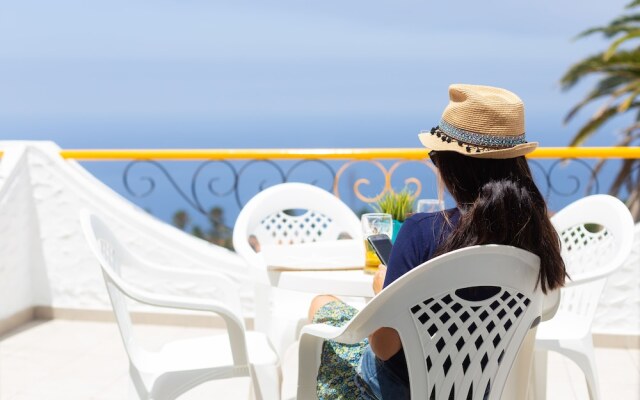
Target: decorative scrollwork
x,y
210,183
414,183
541,177
362,181
152,183
215,186
315,181
554,181
573,178
563,178
388,177
263,182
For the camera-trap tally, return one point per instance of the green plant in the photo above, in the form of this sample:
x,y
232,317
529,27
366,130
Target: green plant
x,y
398,204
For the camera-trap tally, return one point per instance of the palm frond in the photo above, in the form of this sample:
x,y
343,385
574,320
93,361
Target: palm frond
x,y
596,170
625,63
616,43
623,177
628,139
624,23
623,174
580,69
633,200
624,20
593,124
620,91
630,130
626,103
619,82
605,87
634,3
607,31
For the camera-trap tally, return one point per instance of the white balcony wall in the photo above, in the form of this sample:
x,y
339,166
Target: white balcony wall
x,y
44,260
22,279
619,308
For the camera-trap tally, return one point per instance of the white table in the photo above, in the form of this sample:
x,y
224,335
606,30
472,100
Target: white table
x,y
332,267
354,283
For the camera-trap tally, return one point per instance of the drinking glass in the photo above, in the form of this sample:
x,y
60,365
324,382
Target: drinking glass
x,y
429,205
373,224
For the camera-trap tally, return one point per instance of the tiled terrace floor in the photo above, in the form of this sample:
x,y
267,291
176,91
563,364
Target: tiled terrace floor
x,y
85,360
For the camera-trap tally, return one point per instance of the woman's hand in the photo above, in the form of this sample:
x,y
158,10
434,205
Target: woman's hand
x,y
378,278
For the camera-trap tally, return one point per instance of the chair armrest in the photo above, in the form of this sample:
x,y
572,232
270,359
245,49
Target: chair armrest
x,y
550,304
309,355
181,302
310,352
323,331
169,272
579,279
233,320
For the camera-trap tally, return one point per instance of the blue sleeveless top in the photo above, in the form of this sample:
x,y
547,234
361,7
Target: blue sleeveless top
x,y
418,240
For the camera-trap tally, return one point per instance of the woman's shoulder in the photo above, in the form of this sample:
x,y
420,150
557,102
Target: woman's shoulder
x,y
428,219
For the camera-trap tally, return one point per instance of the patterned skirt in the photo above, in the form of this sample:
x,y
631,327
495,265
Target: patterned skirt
x,y
338,367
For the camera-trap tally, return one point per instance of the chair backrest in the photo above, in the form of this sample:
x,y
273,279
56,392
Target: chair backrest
x,y
457,347
597,237
112,256
268,219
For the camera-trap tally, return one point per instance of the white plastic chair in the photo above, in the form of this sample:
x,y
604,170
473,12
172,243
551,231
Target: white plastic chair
x,y
455,348
183,364
597,236
319,216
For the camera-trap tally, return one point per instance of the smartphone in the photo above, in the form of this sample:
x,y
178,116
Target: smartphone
x,y
382,246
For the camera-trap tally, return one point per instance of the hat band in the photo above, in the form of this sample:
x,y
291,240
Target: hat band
x,y
481,139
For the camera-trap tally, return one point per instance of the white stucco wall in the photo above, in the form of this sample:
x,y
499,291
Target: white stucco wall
x,y
619,308
20,259
44,259
58,190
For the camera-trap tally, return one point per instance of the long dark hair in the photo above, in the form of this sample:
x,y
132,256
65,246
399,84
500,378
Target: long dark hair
x,y
500,204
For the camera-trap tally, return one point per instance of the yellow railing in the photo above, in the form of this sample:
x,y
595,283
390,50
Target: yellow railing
x,y
333,154
329,154
346,157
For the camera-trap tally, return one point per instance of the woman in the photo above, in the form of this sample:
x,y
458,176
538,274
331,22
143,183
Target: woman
x,y
479,149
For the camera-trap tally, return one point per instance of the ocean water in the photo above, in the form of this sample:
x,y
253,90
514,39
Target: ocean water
x,y
178,187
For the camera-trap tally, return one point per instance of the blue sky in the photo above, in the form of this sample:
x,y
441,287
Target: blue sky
x,y
277,74
197,73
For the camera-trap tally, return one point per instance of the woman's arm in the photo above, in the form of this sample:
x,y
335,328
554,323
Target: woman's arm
x,y
405,254
385,342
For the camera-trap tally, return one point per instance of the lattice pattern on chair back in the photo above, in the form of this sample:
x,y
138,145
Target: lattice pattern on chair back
x,y
284,229
292,213
464,342
584,250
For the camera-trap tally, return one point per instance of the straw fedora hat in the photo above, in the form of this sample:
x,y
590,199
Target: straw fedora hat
x,y
481,122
